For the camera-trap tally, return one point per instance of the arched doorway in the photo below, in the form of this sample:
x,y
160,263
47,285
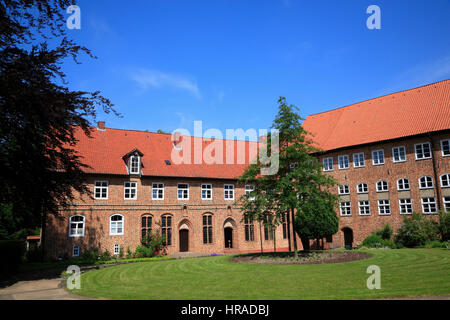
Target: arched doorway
x,y
228,234
348,237
184,233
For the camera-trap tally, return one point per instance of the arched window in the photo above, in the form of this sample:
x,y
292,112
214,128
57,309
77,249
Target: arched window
x,y
445,180
268,228
207,228
166,229
116,224
362,188
146,225
284,222
76,226
382,186
425,182
249,229
402,184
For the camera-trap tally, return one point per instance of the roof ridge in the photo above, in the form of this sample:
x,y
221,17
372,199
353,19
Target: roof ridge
x,y
379,97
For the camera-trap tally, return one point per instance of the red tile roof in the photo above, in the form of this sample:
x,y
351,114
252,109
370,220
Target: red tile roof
x,y
104,152
402,114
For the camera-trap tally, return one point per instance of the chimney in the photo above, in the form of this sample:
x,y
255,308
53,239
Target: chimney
x,y
101,125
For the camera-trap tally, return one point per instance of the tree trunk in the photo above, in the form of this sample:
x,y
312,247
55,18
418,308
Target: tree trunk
x,y
260,237
305,243
288,230
293,234
43,232
274,240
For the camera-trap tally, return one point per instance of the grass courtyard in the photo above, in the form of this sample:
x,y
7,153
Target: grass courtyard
x,y
404,272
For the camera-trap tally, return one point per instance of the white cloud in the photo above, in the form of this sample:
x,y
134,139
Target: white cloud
x,y
147,78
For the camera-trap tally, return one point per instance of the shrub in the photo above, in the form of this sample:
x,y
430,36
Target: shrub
x,y
435,244
155,242
143,252
416,230
89,256
444,225
13,252
376,241
129,253
385,233
105,256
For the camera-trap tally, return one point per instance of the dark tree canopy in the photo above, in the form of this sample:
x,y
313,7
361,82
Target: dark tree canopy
x,y
38,115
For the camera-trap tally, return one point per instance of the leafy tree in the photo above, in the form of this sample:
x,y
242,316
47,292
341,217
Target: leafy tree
x,y
299,179
39,168
444,225
416,230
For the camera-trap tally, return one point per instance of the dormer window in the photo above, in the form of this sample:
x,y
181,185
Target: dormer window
x,y
134,164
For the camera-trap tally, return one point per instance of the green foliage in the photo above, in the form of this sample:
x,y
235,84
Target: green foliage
x,y
376,241
435,244
385,233
130,254
34,254
154,242
444,225
416,231
12,255
144,252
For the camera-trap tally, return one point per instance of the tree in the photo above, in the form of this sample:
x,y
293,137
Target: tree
x,y
299,179
39,168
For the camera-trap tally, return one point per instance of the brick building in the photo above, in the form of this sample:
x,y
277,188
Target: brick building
x,y
390,155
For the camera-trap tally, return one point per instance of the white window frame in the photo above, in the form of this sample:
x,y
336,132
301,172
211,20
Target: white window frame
x,y
183,191
344,190
382,206
73,251
116,249
328,164
230,189
102,188
343,208
422,144
157,186
428,203
400,204
398,151
248,189
378,153
447,175
442,147
111,233
125,188
446,201
359,160
363,205
383,184
130,164
362,192
426,180
403,184
345,156
77,228
207,187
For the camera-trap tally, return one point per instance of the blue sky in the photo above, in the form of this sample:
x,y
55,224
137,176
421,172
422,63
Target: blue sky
x,y
167,63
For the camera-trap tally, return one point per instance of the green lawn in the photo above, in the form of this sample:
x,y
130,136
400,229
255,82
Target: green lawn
x,y
404,272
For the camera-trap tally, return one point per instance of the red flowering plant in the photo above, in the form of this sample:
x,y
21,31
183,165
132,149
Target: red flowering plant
x,y
155,242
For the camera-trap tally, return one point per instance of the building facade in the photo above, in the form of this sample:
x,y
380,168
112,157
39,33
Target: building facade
x,y
389,155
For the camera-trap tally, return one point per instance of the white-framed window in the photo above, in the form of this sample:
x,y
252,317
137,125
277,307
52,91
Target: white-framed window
x,y
345,208
101,190
445,147
445,180
327,164
134,164
364,208
343,189
228,191
428,205
422,150
76,226
384,207
116,224
447,204
362,188
399,154
116,249
183,191
206,191
425,182
75,251
382,186
402,184
358,160
378,157
405,206
157,191
130,190
248,189
344,162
